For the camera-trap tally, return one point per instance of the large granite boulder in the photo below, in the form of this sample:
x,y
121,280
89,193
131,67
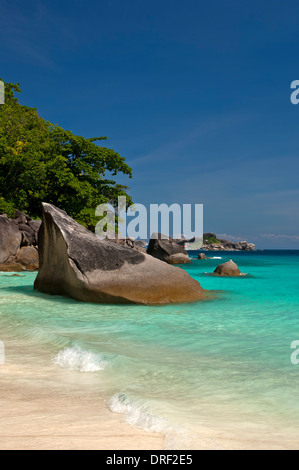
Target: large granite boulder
x,y
18,241
201,256
227,269
25,259
167,249
76,263
10,239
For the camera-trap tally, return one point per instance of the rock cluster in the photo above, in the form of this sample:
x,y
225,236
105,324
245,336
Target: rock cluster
x,y
212,243
167,249
18,242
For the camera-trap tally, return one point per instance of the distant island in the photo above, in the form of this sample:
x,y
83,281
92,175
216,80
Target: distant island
x,y
212,243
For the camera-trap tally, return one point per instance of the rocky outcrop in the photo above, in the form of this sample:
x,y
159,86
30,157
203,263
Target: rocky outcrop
x,y
212,243
76,263
16,235
247,246
227,269
28,227
27,256
25,259
167,249
10,239
201,256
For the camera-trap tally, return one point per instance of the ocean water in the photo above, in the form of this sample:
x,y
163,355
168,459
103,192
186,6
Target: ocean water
x,y
204,374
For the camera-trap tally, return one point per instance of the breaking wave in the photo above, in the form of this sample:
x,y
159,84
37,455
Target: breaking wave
x,y
139,414
75,358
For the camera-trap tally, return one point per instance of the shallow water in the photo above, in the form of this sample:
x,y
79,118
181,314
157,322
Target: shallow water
x,y
205,370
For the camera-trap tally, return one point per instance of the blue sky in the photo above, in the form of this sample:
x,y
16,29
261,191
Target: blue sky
x,y
195,95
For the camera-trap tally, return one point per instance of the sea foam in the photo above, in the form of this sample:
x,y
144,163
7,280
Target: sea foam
x,y
75,358
140,415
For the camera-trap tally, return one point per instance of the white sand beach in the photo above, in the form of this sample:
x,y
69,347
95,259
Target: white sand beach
x,y
47,408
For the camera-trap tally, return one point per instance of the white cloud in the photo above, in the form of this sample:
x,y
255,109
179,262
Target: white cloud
x,y
232,237
278,236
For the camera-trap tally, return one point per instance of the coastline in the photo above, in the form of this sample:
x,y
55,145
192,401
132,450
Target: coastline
x,y
48,408
241,396
44,407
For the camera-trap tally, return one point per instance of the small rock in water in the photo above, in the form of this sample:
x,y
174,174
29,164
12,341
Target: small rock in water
x,y
227,269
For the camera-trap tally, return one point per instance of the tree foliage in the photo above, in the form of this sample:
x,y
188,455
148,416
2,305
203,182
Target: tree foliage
x,y
40,161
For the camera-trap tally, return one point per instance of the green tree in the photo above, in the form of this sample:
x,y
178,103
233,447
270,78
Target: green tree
x,y
40,161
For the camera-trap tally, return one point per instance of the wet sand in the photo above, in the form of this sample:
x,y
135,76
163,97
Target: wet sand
x,y
43,407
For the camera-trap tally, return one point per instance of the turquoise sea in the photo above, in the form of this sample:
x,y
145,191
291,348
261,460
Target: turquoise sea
x,y
197,372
